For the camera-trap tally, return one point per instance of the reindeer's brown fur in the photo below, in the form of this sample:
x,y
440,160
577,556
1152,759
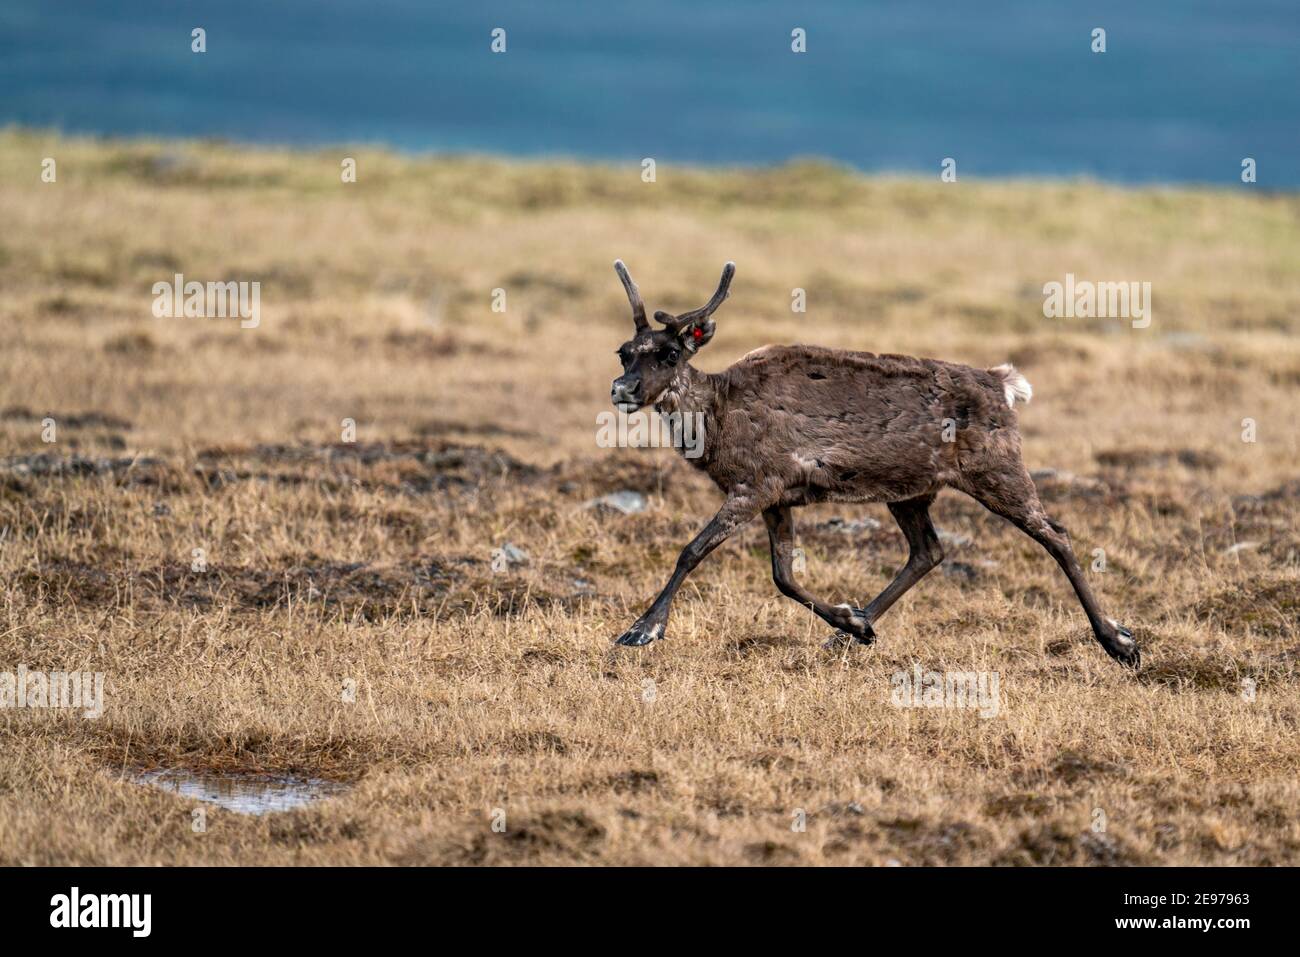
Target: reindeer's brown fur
x,y
815,424
792,425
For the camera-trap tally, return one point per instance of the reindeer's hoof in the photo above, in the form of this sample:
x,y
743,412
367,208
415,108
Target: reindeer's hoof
x,y
843,638
639,635
1124,649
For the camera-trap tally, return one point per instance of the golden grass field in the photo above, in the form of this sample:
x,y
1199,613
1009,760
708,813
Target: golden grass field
x,y
368,564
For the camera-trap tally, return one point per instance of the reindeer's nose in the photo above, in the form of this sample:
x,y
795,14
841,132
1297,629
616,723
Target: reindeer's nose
x,y
624,393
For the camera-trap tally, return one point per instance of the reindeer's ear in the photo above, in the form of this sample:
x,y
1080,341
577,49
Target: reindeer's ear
x,y
693,329
696,334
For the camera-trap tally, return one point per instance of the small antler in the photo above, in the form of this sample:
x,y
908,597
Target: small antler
x,y
708,309
633,296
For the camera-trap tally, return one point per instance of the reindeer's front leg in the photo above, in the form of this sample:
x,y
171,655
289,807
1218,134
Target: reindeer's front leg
x,y
734,513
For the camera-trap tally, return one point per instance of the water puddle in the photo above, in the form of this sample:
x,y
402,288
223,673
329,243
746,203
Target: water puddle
x,y
243,793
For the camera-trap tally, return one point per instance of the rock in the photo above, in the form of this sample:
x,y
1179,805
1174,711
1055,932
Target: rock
x,y
1058,482
508,556
838,809
854,527
967,571
956,539
1184,340
624,502
514,554
963,570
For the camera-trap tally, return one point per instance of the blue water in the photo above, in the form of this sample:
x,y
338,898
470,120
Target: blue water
x,y
1186,89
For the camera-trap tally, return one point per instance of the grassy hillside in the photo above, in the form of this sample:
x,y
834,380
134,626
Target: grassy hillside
x,y
367,564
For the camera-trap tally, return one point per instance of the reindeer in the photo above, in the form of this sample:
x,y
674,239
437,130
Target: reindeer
x,y
787,426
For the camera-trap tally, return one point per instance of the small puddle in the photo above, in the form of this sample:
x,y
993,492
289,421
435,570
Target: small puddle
x,y
243,793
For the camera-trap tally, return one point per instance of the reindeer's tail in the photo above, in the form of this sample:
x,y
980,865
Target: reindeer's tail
x,y
1014,385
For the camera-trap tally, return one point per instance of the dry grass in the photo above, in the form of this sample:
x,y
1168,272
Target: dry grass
x,y
475,690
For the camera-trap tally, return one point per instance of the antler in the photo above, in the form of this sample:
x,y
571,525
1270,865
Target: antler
x,y
633,296
686,318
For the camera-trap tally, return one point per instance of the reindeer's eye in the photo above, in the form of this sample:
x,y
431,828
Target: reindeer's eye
x,y
667,355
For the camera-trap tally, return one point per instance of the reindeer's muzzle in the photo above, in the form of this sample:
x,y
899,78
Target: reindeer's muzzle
x,y
626,393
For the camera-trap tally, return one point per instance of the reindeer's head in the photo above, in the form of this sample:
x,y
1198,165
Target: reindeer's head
x,y
653,358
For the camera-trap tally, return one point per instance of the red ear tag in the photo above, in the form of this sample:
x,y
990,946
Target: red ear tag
x,y
698,333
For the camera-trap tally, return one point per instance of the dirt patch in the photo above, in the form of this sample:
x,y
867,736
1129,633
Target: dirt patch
x,y
1288,494
1048,352
371,592
774,759
78,582
71,420
928,843
297,830
412,467
1055,485
1017,805
1210,672
1055,845
406,521
634,781
566,835
770,852
1131,459
629,471
535,742
565,830
1073,768
425,588
859,534
751,644
1069,768
126,470
542,657
204,749
135,343
439,428
1061,647
1266,609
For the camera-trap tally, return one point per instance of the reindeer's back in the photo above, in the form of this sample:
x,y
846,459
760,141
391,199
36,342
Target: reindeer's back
x,y
880,389
858,422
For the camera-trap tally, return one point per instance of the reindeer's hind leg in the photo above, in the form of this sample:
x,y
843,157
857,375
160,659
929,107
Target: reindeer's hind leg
x,y
923,556
780,534
1010,493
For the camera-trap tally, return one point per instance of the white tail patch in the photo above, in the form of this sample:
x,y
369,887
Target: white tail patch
x,y
1014,385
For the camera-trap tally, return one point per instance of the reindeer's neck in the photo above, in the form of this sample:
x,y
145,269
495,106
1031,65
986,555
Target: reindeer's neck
x,y
693,393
